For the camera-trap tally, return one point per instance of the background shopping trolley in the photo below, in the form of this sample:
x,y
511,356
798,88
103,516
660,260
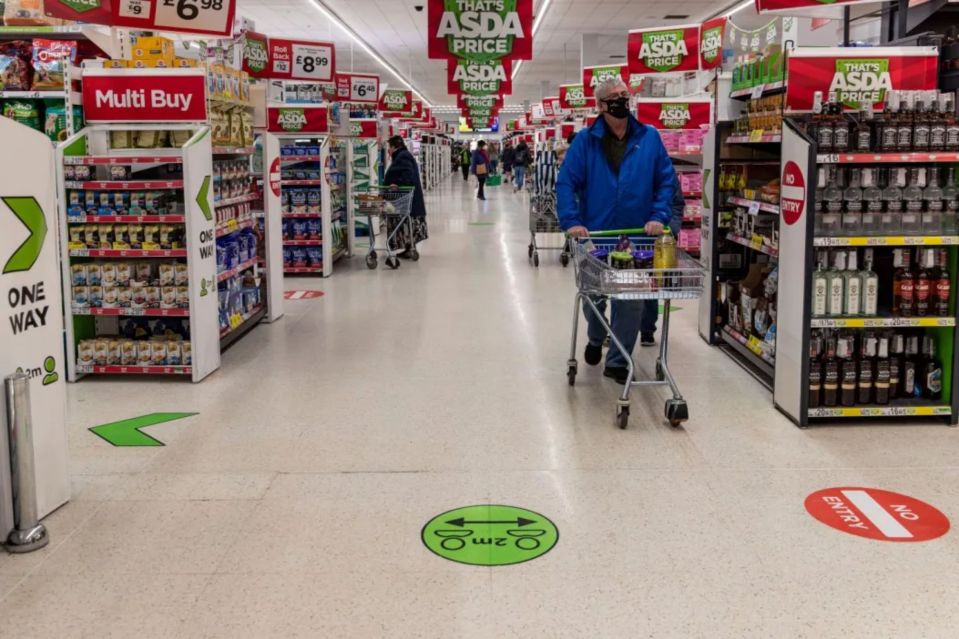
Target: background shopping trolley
x,y
393,206
542,210
597,279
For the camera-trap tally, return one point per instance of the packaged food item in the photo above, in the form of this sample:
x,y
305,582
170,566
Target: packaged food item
x,y
138,294
24,112
187,349
144,353
124,296
124,273
14,70
108,274
121,139
168,297
128,352
236,129
79,272
135,236
179,138
158,352
96,296
148,139
167,274
26,13
144,272
152,296
86,352
151,237
50,61
94,274
81,296
249,135
314,201
114,353
181,276
298,201
314,256
90,202
174,353
101,351
183,296
55,122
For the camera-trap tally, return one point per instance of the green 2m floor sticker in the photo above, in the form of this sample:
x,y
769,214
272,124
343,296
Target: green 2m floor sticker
x,y
490,535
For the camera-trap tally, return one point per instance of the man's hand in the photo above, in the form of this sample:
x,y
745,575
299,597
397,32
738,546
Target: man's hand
x,y
654,228
578,231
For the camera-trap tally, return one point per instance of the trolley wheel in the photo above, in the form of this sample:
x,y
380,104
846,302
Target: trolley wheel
x,y
536,260
564,260
622,417
371,261
660,375
530,251
571,371
393,262
414,255
677,411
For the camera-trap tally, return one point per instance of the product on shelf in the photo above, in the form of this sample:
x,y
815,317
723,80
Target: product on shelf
x,y
130,285
236,249
231,179
762,114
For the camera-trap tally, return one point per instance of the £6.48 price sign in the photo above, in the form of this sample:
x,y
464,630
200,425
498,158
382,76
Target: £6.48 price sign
x,y
302,60
191,16
357,87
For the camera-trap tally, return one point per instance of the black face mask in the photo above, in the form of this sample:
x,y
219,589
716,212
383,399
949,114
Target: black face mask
x,y
618,107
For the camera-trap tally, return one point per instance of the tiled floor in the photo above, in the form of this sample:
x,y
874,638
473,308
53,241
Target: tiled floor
x,y
292,505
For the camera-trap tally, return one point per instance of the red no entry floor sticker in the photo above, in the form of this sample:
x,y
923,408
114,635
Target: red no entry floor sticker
x,y
302,295
877,514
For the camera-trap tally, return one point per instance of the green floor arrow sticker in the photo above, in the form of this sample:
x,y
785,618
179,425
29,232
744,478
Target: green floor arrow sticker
x,y
28,211
128,432
490,535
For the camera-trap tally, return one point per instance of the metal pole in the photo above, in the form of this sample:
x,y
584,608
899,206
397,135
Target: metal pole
x,y
845,26
902,19
28,533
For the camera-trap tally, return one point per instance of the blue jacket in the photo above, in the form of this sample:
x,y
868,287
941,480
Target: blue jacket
x,y
480,157
403,171
590,194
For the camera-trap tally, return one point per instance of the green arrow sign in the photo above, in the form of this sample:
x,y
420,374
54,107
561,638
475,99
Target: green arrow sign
x,y
203,199
28,211
127,432
490,535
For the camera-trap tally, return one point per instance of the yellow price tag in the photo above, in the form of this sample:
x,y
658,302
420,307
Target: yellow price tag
x,y
236,320
232,225
755,345
756,135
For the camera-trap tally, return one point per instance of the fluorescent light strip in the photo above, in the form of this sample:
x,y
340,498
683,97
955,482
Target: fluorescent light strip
x,y
540,15
335,19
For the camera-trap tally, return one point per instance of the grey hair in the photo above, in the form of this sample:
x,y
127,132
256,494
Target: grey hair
x,y
606,87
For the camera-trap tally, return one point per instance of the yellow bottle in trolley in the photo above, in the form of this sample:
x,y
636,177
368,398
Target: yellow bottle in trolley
x,y
664,253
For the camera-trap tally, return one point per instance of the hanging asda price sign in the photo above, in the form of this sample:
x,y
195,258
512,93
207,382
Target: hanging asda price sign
x,y
573,96
858,76
415,113
298,119
593,76
481,30
364,129
211,17
302,60
711,43
548,110
357,87
256,54
149,95
480,78
396,101
663,50
806,7
479,101
663,115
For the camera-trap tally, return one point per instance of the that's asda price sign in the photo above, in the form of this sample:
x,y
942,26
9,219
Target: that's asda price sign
x,y
256,54
857,79
663,50
573,96
396,101
711,35
805,7
594,76
479,101
481,30
480,78
664,115
298,119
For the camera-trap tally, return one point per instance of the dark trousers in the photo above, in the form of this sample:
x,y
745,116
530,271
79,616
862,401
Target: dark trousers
x,y
466,172
482,186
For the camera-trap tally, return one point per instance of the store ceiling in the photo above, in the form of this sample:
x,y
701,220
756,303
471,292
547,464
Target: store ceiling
x,y
397,32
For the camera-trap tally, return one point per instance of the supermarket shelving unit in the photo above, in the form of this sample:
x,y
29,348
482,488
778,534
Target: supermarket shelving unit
x,y
363,159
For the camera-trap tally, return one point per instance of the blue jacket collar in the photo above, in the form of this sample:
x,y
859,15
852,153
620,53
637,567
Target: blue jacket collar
x,y
636,129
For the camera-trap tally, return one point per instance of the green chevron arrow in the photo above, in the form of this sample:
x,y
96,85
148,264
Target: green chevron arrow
x,y
28,211
128,432
203,199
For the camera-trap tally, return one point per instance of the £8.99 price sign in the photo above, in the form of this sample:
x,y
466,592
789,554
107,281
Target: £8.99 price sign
x,y
313,62
190,16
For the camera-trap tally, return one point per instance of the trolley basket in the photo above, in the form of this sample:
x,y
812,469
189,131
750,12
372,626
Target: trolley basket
x,y
391,206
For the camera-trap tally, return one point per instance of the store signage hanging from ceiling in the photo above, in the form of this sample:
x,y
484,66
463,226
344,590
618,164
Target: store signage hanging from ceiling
x,y
148,95
480,78
395,102
573,96
807,7
480,30
473,101
663,50
547,106
711,35
357,87
857,76
593,76
366,128
303,119
666,114
256,54
302,60
208,17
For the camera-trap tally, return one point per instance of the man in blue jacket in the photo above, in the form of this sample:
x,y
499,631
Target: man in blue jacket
x,y
616,175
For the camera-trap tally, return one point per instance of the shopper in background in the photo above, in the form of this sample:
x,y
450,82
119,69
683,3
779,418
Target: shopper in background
x,y
465,159
480,167
520,162
493,157
616,175
404,171
509,157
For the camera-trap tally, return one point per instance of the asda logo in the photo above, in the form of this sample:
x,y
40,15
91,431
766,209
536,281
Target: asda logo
x,y
480,78
291,119
674,116
480,30
663,50
256,56
603,74
395,101
858,82
356,129
711,44
81,6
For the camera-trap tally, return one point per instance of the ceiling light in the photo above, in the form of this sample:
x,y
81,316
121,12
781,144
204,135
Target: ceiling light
x,y
536,23
618,56
335,19
675,16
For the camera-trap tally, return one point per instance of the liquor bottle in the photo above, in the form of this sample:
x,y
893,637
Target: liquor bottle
x,y
832,200
852,285
942,287
888,130
922,294
897,347
848,369
819,203
867,367
814,126
903,285
830,372
819,286
892,201
937,129
852,204
921,125
910,365
862,139
931,370
904,122
912,201
834,284
952,123
840,125
815,369
870,286
931,218
950,198
872,202
881,371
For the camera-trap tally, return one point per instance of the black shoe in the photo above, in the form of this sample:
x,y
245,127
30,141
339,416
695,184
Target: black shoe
x,y
593,354
648,339
619,373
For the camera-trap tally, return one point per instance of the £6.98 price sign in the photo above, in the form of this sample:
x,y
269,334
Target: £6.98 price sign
x,y
302,60
191,16
357,87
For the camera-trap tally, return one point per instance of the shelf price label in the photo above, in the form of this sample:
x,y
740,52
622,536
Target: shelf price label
x,y
357,87
757,91
754,208
755,345
756,135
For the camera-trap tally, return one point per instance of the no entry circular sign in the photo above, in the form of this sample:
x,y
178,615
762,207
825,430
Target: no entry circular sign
x,y
490,535
793,198
877,514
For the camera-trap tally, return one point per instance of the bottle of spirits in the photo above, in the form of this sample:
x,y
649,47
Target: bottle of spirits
x,y
819,203
870,287
840,125
942,284
921,125
910,365
952,123
830,372
834,282
887,134
892,201
931,370
848,369
937,128
852,285
821,124
932,204
881,371
872,202
862,139
852,204
867,367
904,122
925,269
815,369
832,200
950,199
897,347
912,201
903,285
820,285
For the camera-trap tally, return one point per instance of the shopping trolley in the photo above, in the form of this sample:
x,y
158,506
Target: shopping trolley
x,y
394,205
542,210
596,279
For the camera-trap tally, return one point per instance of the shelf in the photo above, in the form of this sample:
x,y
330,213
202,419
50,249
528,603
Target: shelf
x,y
754,139
127,253
126,185
232,226
302,269
302,242
913,240
233,150
753,206
233,272
33,95
743,347
114,160
758,91
756,246
229,102
302,182
295,159
134,370
887,158
243,199
881,411
127,219
250,320
300,216
882,322
133,312
686,155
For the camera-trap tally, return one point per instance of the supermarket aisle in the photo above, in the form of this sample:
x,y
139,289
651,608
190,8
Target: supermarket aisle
x,y
292,504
